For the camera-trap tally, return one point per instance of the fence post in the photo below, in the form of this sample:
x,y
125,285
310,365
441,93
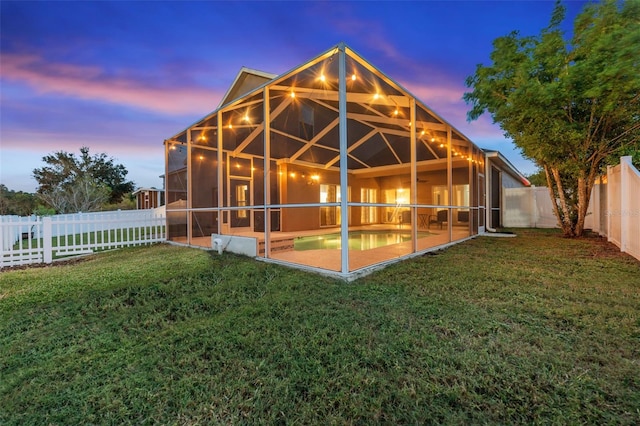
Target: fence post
x,y
609,198
625,202
534,207
47,243
2,242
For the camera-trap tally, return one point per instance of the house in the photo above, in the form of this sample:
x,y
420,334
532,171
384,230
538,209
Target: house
x,y
148,198
331,166
500,174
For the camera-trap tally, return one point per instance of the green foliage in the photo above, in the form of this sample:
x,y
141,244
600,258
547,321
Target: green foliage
x,y
70,184
16,203
538,178
571,106
128,202
44,211
486,332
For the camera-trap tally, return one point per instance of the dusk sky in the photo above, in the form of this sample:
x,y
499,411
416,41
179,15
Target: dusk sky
x,y
121,77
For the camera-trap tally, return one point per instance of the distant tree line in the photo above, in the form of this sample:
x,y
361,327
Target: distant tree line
x,y
21,203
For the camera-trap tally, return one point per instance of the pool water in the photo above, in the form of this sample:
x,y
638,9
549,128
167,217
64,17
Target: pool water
x,y
358,240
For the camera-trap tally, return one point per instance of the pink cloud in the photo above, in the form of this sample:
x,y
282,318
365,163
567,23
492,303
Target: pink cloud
x,y
440,93
370,32
378,41
143,159
446,101
90,82
46,142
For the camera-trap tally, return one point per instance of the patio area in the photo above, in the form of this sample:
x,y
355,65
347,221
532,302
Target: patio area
x,y
283,246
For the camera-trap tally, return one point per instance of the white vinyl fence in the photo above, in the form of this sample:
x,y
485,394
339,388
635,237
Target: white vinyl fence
x,y
622,212
35,239
528,208
614,209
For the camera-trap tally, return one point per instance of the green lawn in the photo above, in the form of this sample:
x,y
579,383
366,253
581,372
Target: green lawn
x,y
533,329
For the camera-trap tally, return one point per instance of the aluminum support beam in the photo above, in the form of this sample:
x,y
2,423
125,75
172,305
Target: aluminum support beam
x,y
189,185
344,177
220,175
414,180
449,184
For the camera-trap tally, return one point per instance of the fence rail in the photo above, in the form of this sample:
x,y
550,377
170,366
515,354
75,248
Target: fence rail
x,y
26,240
614,209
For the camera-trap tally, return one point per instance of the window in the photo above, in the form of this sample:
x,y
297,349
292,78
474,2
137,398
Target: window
x,y
400,197
329,216
369,213
461,195
241,197
440,195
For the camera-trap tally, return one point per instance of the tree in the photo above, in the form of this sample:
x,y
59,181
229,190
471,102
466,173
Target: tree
x,y
572,106
538,178
16,203
69,183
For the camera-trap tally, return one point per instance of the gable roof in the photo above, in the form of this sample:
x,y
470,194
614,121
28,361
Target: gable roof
x,y
506,165
139,190
246,80
378,115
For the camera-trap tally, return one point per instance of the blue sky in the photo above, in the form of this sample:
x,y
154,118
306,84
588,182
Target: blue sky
x,y
120,77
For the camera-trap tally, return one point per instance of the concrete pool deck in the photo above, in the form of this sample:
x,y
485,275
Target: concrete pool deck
x,y
330,259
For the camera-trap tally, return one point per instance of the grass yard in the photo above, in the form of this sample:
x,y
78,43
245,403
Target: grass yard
x,y
533,329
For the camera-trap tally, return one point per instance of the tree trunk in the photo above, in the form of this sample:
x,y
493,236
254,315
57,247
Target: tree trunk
x,y
552,195
583,205
565,220
585,187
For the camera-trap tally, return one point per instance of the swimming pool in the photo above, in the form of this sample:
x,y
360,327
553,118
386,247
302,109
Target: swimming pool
x,y
358,240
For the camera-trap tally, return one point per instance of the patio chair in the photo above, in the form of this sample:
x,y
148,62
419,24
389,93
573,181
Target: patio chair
x,y
439,218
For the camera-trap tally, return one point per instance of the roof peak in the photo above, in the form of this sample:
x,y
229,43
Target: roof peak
x,y
241,86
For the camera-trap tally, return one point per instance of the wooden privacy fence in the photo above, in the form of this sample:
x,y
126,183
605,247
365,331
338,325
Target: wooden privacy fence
x,y
33,239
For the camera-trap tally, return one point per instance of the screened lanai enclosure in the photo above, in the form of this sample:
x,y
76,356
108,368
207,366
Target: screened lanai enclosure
x,y
331,166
